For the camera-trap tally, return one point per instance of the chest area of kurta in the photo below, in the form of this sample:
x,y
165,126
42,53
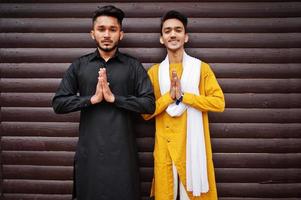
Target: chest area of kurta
x,y
119,76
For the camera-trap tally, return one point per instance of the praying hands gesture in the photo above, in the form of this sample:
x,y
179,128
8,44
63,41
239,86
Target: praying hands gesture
x,y
103,90
175,86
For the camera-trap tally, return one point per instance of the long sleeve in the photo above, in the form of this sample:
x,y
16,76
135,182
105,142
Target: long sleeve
x,y
66,99
213,97
162,102
143,100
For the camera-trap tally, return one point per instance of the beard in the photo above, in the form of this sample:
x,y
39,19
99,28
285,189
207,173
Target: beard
x,y
107,48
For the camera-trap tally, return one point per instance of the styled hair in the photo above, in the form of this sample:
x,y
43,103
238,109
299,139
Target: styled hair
x,y
109,10
173,14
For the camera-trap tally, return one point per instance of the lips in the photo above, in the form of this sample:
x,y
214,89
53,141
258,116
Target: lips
x,y
173,41
107,41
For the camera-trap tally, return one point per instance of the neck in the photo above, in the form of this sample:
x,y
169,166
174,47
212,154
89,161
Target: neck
x,y
106,55
175,56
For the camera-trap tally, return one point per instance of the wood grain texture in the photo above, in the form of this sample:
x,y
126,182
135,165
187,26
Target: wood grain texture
x,y
229,85
155,55
219,145
146,129
248,100
148,9
222,160
151,40
224,175
221,70
230,115
137,25
253,47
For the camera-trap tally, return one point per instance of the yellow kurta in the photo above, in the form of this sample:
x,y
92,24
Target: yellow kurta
x,y
170,138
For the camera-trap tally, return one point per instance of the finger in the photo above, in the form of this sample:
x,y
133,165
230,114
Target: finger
x,y
173,75
177,83
100,72
102,76
101,79
105,85
105,75
176,76
174,81
171,83
100,82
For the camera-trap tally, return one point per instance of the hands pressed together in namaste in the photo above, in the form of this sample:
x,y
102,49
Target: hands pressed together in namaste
x,y
175,86
103,91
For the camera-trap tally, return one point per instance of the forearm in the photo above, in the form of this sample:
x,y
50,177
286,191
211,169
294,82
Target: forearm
x,y
66,104
144,104
214,103
161,104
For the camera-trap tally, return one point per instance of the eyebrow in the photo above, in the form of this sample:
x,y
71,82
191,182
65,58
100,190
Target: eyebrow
x,y
176,27
101,26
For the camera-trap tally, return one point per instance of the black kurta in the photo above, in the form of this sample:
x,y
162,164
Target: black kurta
x,y
106,157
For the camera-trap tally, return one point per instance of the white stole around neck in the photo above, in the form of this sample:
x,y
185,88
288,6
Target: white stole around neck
x,y
196,162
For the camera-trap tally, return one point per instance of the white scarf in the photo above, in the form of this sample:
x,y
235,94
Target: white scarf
x,y
196,162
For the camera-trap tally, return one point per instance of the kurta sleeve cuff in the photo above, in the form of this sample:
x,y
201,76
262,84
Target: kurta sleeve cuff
x,y
86,101
166,99
119,100
161,104
188,98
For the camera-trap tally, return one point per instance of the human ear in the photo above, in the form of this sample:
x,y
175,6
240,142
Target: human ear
x,y
161,40
121,35
92,34
186,38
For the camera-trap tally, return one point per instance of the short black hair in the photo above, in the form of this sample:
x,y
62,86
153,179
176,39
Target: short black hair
x,y
109,10
173,14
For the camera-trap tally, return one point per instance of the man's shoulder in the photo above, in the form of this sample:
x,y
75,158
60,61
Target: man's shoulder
x,y
87,56
153,70
205,65
128,57
84,58
154,67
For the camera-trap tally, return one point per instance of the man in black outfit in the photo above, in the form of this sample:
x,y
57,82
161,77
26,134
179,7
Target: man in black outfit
x,y
108,87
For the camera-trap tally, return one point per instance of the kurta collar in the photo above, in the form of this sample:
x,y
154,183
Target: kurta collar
x,y
97,56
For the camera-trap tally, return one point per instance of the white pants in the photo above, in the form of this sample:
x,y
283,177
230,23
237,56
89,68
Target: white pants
x,y
183,194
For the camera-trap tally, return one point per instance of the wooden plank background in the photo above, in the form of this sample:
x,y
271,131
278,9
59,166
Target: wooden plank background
x,y
254,48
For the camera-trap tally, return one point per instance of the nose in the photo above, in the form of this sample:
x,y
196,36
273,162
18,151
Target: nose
x,y
172,33
107,33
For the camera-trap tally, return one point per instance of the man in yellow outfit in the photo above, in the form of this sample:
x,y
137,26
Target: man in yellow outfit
x,y
185,90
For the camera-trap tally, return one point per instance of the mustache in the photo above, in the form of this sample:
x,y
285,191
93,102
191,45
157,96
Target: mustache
x,y
110,41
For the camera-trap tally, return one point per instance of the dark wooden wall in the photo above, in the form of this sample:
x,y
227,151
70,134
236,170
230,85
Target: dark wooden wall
x,y
253,47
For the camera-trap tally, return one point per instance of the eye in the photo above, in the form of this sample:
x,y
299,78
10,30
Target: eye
x,y
179,30
101,29
166,31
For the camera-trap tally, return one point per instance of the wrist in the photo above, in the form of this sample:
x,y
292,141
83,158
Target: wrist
x,y
94,99
111,99
173,97
179,99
